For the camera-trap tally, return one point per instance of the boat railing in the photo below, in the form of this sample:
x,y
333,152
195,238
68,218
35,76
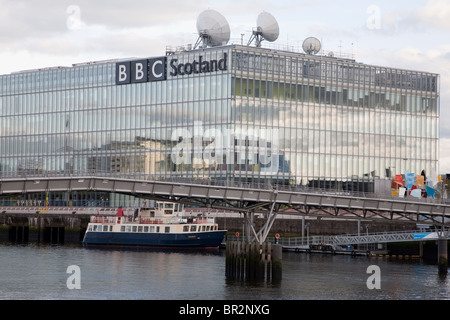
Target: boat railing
x,y
96,219
201,220
174,220
132,220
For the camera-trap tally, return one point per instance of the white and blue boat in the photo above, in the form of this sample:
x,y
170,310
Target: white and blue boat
x,y
161,227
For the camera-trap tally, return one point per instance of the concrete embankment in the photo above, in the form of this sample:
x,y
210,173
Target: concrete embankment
x,y
48,228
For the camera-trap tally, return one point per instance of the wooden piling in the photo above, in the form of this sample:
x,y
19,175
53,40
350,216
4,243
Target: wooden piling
x,y
253,261
277,261
442,256
269,260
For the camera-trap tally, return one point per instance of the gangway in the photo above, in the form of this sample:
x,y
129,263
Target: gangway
x,y
345,240
385,237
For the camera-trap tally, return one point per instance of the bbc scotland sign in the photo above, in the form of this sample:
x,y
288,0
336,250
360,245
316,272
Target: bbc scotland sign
x,y
155,69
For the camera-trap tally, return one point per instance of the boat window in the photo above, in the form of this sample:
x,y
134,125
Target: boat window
x,y
167,229
169,205
185,228
95,227
193,228
105,228
134,228
122,229
90,228
152,214
140,229
146,229
203,228
157,229
207,228
128,228
110,228
152,228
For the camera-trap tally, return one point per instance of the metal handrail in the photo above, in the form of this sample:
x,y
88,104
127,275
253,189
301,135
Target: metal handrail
x,y
370,238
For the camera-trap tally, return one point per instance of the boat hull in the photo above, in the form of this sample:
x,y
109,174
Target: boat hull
x,y
200,240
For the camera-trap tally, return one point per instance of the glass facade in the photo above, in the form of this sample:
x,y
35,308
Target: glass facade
x,y
341,123
232,113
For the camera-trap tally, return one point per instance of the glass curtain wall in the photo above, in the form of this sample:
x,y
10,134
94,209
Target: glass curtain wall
x,y
77,121
271,117
341,124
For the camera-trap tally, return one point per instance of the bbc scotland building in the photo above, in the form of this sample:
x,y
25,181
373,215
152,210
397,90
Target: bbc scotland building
x,y
227,114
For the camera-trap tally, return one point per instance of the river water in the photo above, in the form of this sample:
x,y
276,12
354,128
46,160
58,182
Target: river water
x,y
46,272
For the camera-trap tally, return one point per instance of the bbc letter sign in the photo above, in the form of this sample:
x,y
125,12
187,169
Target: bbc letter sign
x,y
141,71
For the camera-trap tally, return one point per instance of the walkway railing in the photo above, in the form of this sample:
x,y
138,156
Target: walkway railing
x,y
225,183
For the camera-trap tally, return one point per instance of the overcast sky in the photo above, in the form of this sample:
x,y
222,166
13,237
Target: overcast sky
x,y
409,34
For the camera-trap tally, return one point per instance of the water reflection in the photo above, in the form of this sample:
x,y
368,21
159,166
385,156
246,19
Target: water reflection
x,y
39,272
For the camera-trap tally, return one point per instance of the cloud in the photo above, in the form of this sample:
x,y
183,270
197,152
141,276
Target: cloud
x,y
435,13
21,19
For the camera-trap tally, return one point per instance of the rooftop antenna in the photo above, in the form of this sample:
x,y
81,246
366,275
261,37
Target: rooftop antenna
x,y
311,45
213,29
266,29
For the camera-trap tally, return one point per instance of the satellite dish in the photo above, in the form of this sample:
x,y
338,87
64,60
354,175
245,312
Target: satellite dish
x,y
311,45
213,29
266,29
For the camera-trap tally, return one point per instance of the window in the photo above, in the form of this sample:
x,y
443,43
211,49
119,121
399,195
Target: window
x,y
185,228
140,229
193,228
122,229
146,229
167,229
